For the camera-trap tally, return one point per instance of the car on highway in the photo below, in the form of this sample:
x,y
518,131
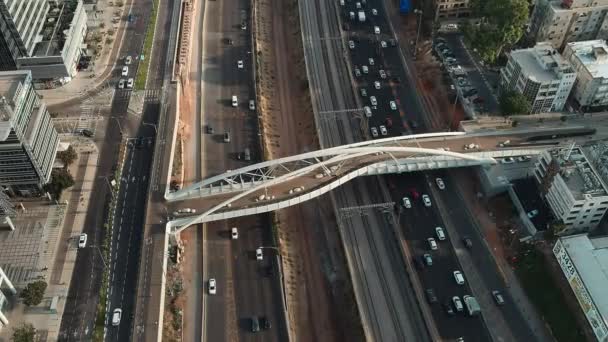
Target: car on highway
x,y
376,30
265,323
365,69
373,100
389,122
226,137
432,244
363,92
240,64
351,44
508,160
447,306
383,130
393,105
374,132
258,254
383,44
468,243
430,296
406,202
251,104
235,101
234,233
130,83
498,298
440,183
116,315
371,61
358,5
121,84
426,200
533,213
210,129
228,41
367,111
428,259
128,60
82,240
382,74
255,324
440,233
377,84
125,71
212,286
243,26
374,11
457,303
357,72
459,277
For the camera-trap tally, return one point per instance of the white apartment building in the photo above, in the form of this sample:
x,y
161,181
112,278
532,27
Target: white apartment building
x,y
573,188
451,9
562,21
541,75
6,289
590,61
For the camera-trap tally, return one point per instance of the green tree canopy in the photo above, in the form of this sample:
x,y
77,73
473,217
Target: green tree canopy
x,y
24,333
513,103
33,293
501,25
68,156
61,179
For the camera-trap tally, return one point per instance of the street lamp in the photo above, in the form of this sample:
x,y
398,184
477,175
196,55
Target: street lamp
x,y
150,124
119,126
100,255
419,12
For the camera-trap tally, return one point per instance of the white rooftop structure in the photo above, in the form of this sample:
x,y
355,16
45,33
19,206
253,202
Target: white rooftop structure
x,y
590,61
584,262
542,63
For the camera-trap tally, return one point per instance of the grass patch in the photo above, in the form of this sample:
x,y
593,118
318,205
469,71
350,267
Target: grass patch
x,y
547,297
142,69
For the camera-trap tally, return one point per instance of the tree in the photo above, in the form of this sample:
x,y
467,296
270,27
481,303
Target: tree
x,y
61,179
513,103
24,333
501,25
33,293
68,156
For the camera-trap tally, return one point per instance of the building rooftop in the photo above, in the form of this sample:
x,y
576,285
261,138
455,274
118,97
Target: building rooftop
x,y
579,174
590,258
593,54
542,63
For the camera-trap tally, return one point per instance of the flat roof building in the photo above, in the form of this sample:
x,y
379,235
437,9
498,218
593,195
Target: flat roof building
x,y
573,188
452,9
590,61
541,75
584,262
28,140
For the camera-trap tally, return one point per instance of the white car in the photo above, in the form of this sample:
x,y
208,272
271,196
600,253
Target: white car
x,y
258,254
116,316
508,160
432,244
240,64
373,100
406,202
128,60
235,101
212,286
251,105
234,233
426,200
383,44
357,72
376,30
130,83
457,303
377,84
371,61
125,71
82,240
382,74
440,183
374,11
365,69
459,277
440,234
121,84
393,105
351,44
374,131
383,130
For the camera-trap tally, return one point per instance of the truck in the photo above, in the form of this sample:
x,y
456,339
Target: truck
x,y
404,6
361,16
472,306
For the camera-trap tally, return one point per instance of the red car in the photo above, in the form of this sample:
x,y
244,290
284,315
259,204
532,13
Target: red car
x,y
415,195
389,122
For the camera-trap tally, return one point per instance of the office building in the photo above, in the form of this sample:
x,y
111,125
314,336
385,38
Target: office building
x,y
451,9
45,37
573,188
541,75
584,261
563,21
589,59
6,289
28,140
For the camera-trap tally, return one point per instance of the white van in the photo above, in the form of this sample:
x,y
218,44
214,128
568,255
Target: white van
x,y
235,101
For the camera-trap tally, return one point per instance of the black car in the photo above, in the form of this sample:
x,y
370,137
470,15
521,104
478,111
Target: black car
x,y
413,124
210,129
265,322
87,133
255,324
467,242
448,308
430,296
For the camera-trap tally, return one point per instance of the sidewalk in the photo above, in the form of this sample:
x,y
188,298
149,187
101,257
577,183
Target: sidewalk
x,y
467,187
96,77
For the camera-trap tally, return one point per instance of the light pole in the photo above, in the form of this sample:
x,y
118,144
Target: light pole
x,y
150,124
419,12
119,126
100,255
280,268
